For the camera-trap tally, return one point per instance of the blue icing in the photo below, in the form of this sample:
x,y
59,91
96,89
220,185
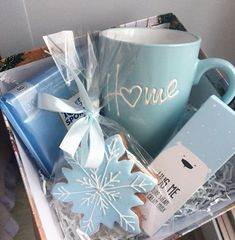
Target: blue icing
x,y
105,194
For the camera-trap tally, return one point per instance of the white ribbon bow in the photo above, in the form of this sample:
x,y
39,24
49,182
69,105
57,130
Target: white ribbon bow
x,y
85,131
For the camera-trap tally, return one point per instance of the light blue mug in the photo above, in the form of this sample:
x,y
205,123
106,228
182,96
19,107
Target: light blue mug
x,y
148,75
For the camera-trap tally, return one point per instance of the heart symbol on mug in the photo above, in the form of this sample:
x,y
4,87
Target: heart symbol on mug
x,y
126,94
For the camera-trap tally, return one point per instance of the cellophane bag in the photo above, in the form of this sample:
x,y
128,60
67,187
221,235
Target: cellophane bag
x,y
101,178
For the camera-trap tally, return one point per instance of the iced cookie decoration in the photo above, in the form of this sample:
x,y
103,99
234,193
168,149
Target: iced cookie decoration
x,y
181,173
105,194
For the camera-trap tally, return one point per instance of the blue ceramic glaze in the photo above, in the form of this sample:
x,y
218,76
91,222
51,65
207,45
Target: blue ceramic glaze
x,y
147,76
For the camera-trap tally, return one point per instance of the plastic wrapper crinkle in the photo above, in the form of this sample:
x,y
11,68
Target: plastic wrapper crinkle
x,y
102,176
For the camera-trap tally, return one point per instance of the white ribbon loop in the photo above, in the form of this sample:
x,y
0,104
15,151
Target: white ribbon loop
x,y
74,136
54,104
85,131
95,146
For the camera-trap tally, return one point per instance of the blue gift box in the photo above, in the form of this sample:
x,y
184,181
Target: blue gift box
x,y
41,131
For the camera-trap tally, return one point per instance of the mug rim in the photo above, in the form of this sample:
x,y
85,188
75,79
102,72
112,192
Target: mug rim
x,y
196,37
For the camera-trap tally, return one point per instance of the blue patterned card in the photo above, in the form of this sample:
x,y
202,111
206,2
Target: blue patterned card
x,y
198,150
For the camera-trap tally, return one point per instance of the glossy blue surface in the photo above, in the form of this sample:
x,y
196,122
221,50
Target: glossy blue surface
x,y
41,131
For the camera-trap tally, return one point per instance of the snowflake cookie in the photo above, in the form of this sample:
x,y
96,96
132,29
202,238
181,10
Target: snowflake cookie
x,y
105,194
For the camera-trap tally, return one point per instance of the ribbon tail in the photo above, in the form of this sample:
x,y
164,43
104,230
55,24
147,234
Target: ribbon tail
x,y
54,104
74,136
96,147
82,91
84,149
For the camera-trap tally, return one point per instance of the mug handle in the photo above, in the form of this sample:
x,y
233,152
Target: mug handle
x,y
210,63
